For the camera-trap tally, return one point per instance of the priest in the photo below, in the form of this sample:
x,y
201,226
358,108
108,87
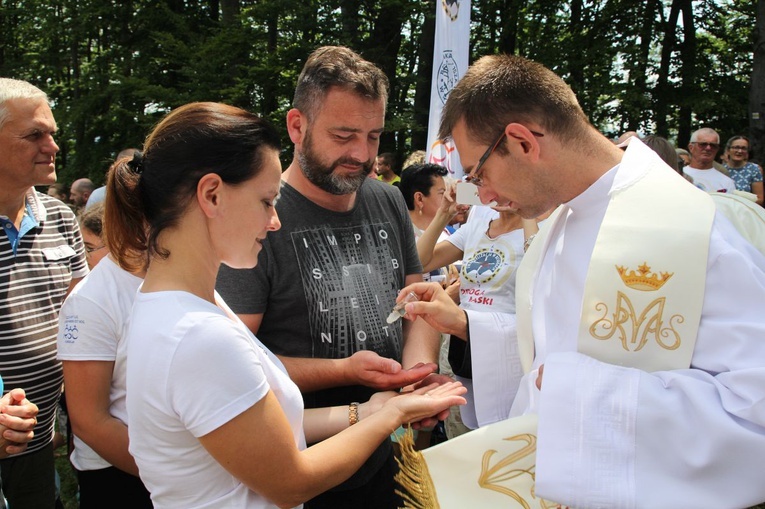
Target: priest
x,y
639,307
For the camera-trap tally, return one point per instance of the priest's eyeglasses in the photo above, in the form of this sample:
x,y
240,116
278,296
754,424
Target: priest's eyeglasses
x,y
474,177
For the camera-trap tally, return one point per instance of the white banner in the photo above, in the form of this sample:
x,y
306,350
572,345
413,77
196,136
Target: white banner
x,y
450,61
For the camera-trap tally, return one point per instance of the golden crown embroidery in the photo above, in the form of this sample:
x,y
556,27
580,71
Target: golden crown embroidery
x,y
634,331
643,280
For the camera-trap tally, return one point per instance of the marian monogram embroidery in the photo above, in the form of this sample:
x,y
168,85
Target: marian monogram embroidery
x,y
636,329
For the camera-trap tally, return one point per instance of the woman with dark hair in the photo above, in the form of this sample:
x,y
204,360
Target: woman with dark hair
x,y
423,186
418,181
213,418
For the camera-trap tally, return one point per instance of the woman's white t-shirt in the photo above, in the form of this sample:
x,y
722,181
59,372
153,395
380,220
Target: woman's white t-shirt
x,y
438,275
489,266
92,324
192,367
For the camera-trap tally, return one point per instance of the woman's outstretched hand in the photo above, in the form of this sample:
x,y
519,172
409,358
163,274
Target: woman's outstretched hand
x,y
428,402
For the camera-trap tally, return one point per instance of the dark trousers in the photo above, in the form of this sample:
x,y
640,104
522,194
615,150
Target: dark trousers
x,y
112,487
378,493
29,481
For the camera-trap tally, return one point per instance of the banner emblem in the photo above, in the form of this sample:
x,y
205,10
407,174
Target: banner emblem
x,y
451,8
448,75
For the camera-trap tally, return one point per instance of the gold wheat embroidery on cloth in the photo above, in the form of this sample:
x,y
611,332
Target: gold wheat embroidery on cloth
x,y
504,476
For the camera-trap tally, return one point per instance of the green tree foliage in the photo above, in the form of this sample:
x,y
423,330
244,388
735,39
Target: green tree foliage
x,y
113,68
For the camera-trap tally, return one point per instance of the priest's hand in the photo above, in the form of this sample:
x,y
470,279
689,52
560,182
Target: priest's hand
x,y
436,307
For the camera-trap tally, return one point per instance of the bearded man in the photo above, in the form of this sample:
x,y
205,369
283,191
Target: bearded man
x,y
326,281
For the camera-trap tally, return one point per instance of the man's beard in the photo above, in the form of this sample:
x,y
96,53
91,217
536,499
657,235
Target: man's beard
x,y
324,177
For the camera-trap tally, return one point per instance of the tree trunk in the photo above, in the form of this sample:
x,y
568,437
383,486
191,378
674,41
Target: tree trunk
x,y
662,82
270,87
214,6
383,50
757,90
230,10
349,15
688,74
175,6
641,107
424,74
575,57
508,40
6,36
385,43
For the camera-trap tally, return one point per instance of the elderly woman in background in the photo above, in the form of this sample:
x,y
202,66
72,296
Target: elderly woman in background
x,y
741,211
746,175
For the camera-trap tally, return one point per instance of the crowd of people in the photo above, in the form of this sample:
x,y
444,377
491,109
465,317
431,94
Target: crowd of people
x,y
223,328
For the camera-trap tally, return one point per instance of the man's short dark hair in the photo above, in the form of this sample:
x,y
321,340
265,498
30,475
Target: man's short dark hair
x,y
499,89
389,158
337,66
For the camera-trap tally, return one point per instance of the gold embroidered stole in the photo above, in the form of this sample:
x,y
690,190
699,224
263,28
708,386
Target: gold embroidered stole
x,y
645,281
524,278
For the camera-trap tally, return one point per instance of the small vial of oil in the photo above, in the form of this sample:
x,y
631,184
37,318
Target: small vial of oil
x,y
399,309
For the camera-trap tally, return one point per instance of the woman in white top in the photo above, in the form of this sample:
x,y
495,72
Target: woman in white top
x,y
92,324
423,186
213,419
491,246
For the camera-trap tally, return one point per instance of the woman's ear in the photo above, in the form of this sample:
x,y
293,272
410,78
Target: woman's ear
x,y
417,200
209,194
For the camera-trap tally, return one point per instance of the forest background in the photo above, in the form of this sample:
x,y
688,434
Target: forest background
x,y
113,68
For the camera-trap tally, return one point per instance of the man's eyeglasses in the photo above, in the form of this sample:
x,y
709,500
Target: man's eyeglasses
x,y
706,145
474,177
